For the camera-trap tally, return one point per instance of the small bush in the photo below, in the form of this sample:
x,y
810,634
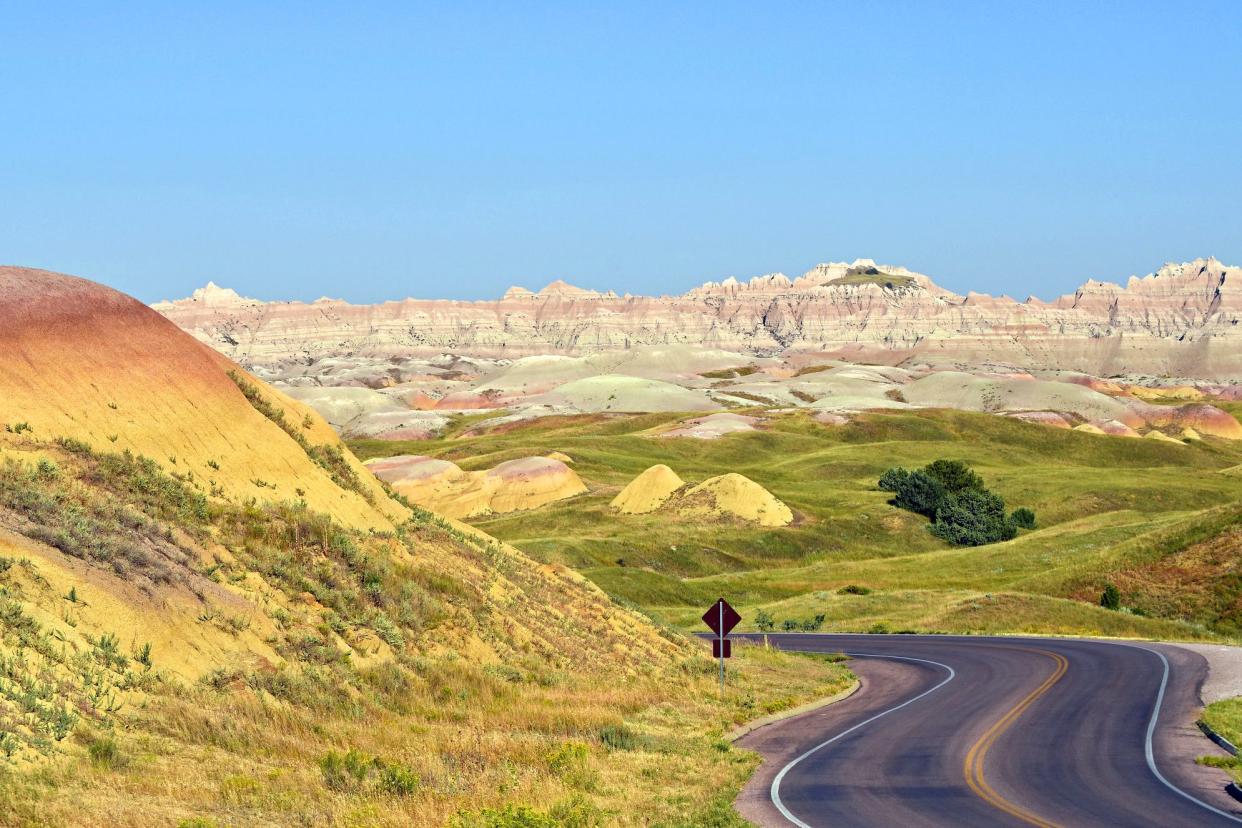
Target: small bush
x,y
1111,597
397,780
854,589
813,624
73,446
344,772
619,737
789,625
104,752
1023,518
764,622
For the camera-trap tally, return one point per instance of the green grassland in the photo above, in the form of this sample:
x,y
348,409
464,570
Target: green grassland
x,y
1106,506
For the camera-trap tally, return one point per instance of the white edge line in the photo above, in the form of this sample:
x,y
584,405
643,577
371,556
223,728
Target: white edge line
x,y
1148,746
1151,731
776,783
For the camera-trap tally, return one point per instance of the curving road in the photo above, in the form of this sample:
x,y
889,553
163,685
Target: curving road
x,y
966,731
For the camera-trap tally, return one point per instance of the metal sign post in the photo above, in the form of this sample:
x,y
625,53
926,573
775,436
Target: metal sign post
x,y
721,618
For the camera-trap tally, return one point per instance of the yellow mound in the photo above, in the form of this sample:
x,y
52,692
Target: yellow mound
x,y
649,491
1164,438
87,362
736,496
1190,434
1089,429
559,455
443,487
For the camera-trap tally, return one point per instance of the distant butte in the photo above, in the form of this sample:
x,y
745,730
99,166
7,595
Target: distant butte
x,y
1182,320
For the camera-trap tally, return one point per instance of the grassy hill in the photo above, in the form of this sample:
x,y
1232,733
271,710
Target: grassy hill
x,y
219,618
1107,507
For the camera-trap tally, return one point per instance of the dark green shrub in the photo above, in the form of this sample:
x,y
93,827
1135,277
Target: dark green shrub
x,y
893,479
972,518
813,624
921,494
1023,518
961,508
764,622
789,625
854,589
1111,597
954,475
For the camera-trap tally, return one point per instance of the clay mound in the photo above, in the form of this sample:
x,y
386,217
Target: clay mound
x,y
443,487
954,389
713,426
1117,429
1208,419
529,483
733,495
84,361
1171,392
614,392
649,491
560,455
831,418
1088,428
665,362
468,401
1191,434
1048,418
1162,437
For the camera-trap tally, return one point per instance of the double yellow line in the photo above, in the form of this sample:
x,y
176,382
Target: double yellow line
x,y
973,768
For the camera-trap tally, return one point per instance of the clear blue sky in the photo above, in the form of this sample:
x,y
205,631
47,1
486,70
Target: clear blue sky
x,y
375,150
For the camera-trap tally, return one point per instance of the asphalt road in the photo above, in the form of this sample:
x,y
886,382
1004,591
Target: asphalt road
x,y
965,731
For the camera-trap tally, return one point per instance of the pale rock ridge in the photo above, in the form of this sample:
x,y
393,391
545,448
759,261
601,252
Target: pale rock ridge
x,y
1183,320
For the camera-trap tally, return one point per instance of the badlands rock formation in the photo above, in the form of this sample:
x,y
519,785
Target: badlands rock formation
x,y
84,361
727,495
1181,321
445,488
649,491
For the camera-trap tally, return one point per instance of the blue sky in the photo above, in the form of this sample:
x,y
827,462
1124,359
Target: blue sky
x,y
374,150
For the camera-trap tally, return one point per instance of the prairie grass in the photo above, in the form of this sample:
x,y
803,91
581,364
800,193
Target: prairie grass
x,y
1105,506
425,677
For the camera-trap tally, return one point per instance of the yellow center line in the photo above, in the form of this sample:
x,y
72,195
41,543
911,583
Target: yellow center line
x,y
973,768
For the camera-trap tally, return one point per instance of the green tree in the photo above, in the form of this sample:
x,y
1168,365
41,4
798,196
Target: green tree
x,y
954,475
764,622
920,493
972,518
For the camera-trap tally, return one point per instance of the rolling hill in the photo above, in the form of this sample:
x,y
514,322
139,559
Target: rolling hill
x,y
212,614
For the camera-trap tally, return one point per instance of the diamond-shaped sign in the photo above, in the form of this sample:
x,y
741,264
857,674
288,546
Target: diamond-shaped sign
x,y
721,617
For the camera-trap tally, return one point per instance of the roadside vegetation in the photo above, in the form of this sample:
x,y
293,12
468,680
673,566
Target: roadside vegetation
x,y
1154,519
325,675
1225,717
